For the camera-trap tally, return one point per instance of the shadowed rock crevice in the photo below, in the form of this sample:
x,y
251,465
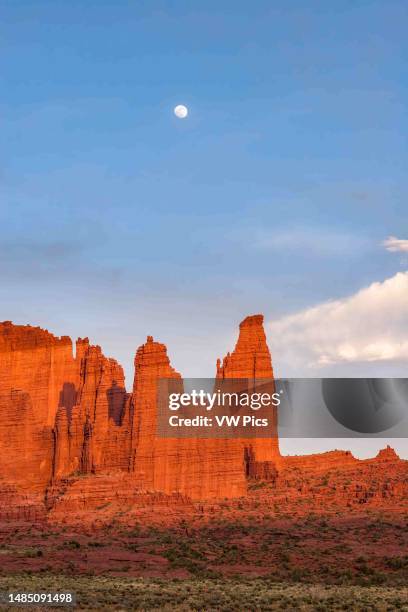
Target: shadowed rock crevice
x,y
116,396
68,398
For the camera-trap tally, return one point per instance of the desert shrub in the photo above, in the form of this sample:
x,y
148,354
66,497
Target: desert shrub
x,y
71,544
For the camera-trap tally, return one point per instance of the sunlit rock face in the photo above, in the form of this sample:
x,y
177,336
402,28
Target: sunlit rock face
x,y
71,437
34,366
63,416
251,360
197,468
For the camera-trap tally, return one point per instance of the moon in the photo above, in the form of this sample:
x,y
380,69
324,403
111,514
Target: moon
x,y
181,111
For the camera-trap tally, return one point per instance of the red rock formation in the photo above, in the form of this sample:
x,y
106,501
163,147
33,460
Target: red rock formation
x,y
330,483
98,496
70,434
387,454
38,363
320,461
197,468
251,360
58,414
251,357
336,479
89,435
34,365
148,462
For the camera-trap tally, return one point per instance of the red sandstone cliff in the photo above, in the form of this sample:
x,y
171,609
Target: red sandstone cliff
x,y
71,435
92,427
251,360
251,357
197,468
62,417
58,414
34,365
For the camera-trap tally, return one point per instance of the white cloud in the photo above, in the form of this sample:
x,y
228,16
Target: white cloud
x,y
396,245
370,326
315,241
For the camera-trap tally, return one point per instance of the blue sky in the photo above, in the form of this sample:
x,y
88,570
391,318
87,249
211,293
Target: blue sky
x,y
118,220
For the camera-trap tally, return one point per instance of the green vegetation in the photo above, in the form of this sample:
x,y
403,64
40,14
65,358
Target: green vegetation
x,y
258,562
71,545
109,593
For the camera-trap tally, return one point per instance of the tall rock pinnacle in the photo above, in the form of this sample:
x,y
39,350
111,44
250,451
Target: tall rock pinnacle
x,y
251,357
197,468
251,360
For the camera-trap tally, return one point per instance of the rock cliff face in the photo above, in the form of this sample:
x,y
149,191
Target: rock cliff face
x,y
251,357
332,483
70,434
337,479
251,360
199,469
63,416
92,425
34,366
35,361
58,414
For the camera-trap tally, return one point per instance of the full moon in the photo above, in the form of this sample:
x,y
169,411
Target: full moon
x,y
181,111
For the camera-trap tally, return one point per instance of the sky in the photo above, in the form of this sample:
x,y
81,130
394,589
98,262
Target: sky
x,y
284,191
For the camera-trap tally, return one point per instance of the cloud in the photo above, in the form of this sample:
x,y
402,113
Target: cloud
x,y
315,241
370,326
396,245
